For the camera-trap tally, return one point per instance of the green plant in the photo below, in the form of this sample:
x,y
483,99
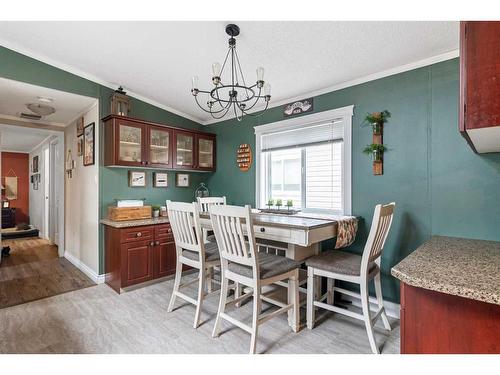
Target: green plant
x,y
376,150
377,117
155,207
270,202
289,203
279,203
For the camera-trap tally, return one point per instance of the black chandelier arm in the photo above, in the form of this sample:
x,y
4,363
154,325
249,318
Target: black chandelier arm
x,y
254,103
241,72
225,113
259,113
209,111
224,63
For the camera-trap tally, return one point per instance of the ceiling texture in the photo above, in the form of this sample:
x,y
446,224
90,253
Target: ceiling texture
x,y
155,61
21,139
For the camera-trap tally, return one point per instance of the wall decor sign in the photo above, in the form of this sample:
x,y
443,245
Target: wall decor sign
x,y
136,179
160,179
79,145
34,165
79,126
244,157
298,107
89,144
182,180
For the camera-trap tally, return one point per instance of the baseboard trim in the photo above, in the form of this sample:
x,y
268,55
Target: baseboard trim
x,y
391,308
98,279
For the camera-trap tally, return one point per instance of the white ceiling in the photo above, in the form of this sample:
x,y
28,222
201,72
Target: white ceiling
x,y
156,60
20,139
14,96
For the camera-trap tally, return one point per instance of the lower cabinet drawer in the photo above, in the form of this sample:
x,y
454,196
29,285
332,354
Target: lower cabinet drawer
x,y
137,234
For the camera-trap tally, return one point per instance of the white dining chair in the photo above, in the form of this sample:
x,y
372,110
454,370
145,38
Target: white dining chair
x,y
353,268
243,264
204,203
192,251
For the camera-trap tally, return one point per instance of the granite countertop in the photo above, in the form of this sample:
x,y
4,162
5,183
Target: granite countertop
x,y
457,266
135,223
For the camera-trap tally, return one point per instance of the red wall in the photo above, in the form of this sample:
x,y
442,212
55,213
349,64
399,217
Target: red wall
x,y
19,163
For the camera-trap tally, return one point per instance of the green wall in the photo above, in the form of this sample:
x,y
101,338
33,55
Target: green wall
x,y
439,185
113,182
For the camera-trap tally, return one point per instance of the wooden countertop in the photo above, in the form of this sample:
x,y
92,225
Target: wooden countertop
x,y
457,266
135,223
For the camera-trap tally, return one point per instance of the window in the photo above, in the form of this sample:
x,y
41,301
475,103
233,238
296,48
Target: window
x,y
306,160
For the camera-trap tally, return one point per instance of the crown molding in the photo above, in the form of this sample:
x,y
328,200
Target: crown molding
x,y
15,47
371,77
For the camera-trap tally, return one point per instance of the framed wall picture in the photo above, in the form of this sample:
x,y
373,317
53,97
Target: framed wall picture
x,y
89,144
136,178
79,145
6,204
160,179
182,180
34,166
79,127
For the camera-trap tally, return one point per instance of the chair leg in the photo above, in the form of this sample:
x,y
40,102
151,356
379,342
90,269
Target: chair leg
x,y
177,282
310,298
222,305
255,319
366,314
380,301
293,298
330,292
210,277
237,293
201,294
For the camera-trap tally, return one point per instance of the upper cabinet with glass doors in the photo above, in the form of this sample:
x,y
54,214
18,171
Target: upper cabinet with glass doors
x,y
137,143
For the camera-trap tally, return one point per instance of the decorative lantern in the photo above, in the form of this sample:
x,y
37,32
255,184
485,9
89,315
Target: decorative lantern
x,y
120,103
202,191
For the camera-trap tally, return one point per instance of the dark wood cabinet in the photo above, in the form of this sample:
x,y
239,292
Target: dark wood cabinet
x,y
479,119
137,143
8,217
139,254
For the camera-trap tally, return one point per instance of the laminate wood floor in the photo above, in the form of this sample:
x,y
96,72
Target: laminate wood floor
x,y
34,270
98,320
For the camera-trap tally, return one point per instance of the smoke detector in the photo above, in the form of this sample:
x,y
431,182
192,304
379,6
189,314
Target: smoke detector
x,y
41,109
30,116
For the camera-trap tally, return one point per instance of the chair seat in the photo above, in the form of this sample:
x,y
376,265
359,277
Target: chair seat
x,y
338,262
211,253
269,265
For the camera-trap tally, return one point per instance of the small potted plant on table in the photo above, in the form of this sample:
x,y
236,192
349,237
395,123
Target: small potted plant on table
x,y
279,203
270,203
156,211
289,204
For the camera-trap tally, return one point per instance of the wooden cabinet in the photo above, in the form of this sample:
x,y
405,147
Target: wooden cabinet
x,y
8,217
136,143
479,119
139,254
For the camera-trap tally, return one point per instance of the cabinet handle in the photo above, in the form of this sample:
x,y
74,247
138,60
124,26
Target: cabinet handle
x,y
262,229
152,243
157,243
138,234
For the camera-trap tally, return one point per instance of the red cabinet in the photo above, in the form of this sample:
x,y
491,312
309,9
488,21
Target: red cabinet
x,y
479,119
136,143
139,254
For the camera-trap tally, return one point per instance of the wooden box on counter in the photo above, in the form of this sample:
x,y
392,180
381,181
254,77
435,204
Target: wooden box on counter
x,y
138,254
128,213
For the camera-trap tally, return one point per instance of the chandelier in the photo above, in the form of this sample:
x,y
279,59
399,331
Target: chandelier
x,y
233,94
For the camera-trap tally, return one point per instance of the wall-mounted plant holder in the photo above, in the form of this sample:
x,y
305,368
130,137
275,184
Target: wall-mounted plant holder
x,y
376,120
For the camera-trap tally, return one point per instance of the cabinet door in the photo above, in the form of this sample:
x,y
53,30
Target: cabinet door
x,y
129,140
159,147
164,258
184,150
205,146
137,262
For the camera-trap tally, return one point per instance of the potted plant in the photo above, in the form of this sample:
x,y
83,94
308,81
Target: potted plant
x,y
279,203
270,203
376,150
156,210
289,204
377,119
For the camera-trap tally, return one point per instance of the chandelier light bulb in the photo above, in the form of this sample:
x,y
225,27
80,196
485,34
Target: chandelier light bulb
x,y
267,89
194,82
215,69
260,73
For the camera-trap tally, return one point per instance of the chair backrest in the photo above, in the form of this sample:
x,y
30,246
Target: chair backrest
x,y
381,223
185,222
233,228
205,203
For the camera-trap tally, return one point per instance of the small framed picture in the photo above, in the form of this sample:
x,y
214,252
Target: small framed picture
x,y
136,179
6,204
182,180
160,179
79,127
35,164
79,145
88,144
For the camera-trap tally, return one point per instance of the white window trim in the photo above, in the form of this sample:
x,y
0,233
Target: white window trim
x,y
344,113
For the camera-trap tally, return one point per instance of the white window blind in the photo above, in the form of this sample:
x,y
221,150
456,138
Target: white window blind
x,y
324,132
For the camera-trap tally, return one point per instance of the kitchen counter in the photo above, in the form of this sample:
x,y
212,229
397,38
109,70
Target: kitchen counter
x,y
135,223
457,266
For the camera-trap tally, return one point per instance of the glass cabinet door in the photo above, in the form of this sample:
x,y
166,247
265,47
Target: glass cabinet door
x,y
159,146
184,150
130,144
205,153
